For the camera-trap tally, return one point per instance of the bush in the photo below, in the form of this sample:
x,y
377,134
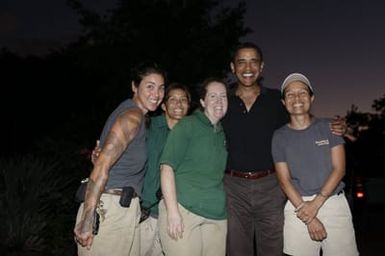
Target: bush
x,y
31,198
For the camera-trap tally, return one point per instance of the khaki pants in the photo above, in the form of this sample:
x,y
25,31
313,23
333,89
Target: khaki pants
x,y
201,236
118,232
149,238
337,220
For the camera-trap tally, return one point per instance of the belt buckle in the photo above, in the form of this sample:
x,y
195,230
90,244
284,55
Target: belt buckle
x,y
249,175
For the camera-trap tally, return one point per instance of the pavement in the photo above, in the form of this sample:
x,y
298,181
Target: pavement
x,y
369,223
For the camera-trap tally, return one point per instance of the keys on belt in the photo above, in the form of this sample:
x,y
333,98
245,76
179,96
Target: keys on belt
x,y
250,175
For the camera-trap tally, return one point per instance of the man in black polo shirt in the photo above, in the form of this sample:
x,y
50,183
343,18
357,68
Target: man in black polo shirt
x,y
254,199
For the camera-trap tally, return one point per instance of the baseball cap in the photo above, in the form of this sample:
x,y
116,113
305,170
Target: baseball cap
x,y
296,77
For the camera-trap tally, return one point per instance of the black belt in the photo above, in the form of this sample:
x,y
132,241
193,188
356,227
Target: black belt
x,y
251,175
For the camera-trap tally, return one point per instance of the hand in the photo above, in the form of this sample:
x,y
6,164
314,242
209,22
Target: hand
x,y
96,152
83,233
307,211
350,134
338,126
175,225
316,229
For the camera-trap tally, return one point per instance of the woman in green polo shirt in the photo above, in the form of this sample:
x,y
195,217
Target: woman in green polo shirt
x,y
192,215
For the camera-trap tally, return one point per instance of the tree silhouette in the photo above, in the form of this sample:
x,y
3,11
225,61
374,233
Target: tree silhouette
x,y
191,39
56,104
67,95
368,129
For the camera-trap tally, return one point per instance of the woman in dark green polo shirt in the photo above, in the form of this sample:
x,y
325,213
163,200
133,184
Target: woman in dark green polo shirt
x,y
192,215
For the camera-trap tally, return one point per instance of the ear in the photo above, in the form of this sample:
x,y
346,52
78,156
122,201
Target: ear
x,y
202,103
134,88
312,98
232,67
262,65
283,102
163,106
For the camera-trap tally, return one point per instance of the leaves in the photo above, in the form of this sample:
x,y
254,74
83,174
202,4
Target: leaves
x,y
30,192
192,39
367,152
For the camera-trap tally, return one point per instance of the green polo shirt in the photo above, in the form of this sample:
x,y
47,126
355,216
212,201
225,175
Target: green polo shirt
x,y
156,138
196,151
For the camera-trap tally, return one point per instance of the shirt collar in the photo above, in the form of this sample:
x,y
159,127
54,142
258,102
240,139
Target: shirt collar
x,y
233,90
160,121
206,121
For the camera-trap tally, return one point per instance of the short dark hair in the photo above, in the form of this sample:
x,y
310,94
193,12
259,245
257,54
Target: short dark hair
x,y
142,69
175,86
244,46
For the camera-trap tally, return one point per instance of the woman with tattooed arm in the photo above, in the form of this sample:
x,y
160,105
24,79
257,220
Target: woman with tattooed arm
x,y
117,176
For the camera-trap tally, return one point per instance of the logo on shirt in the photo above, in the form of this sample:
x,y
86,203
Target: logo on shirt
x,y
322,142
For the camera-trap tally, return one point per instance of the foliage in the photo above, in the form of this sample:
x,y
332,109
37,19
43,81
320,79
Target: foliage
x,y
192,39
64,98
36,198
30,192
368,149
69,93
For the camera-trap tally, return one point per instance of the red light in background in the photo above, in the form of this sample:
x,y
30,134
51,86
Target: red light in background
x,y
360,194
360,187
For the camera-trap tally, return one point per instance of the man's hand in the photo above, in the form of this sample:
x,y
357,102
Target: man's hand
x,y
338,126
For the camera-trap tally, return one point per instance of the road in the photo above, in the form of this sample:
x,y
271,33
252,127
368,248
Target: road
x,y
370,227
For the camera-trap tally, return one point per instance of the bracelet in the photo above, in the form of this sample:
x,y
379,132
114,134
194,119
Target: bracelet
x,y
322,195
299,206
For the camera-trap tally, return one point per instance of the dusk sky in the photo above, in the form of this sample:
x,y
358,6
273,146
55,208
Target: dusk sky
x,y
338,44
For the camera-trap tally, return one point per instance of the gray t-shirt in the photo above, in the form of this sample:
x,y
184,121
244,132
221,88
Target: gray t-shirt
x,y
308,155
129,168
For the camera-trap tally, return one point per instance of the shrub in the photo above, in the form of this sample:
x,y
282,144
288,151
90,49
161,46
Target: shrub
x,y
30,195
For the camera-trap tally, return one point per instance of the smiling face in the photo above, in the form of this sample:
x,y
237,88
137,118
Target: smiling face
x,y
149,93
297,98
176,105
247,66
215,101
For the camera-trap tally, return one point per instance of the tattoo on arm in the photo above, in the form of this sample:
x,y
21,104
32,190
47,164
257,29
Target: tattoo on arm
x,y
114,146
93,192
124,131
88,218
116,142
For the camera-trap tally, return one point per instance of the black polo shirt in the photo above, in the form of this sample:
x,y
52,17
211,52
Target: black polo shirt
x,y
249,134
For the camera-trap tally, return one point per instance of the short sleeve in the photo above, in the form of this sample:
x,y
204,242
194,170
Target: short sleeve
x,y
177,144
277,147
334,140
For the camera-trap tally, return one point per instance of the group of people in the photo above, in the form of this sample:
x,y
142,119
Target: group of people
x,y
225,171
